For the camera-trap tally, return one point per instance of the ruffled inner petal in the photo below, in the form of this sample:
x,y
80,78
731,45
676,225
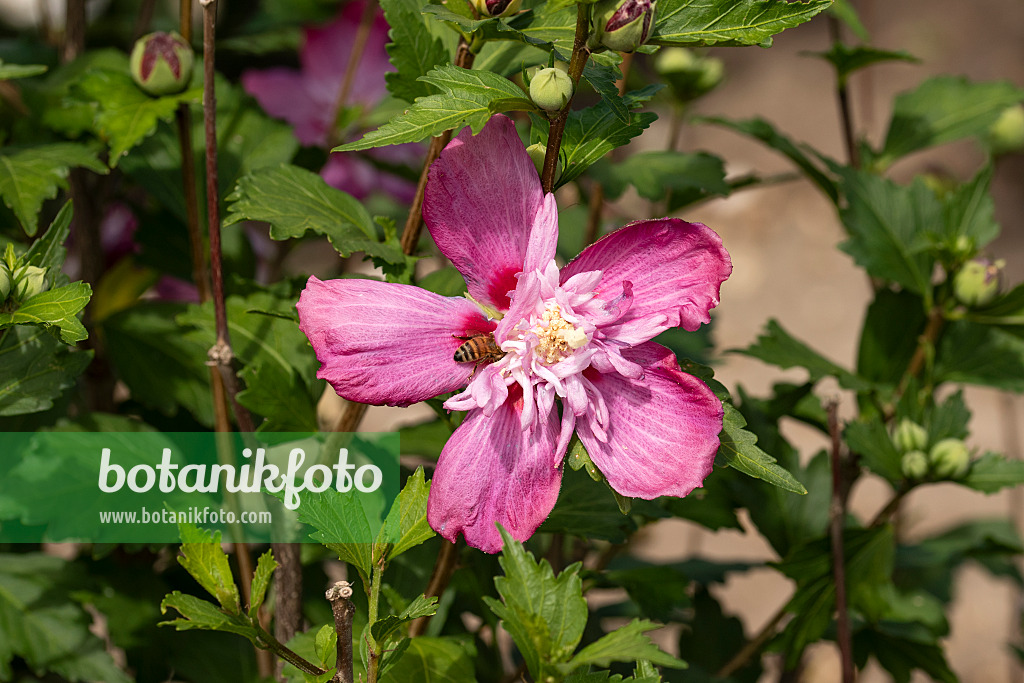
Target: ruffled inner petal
x,y
387,344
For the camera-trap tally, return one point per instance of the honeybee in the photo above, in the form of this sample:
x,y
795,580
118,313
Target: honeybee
x,y
479,349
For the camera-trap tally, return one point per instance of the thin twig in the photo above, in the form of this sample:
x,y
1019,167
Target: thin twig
x,y
338,595
837,517
444,567
200,276
366,22
144,20
925,344
288,585
580,54
741,658
277,647
845,112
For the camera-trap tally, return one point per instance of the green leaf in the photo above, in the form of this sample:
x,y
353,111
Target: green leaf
x,y
870,439
848,59
760,129
125,115
845,12
265,567
587,510
336,515
969,213
888,226
709,638
626,644
941,110
900,653
11,71
48,251
30,176
35,369
58,307
447,281
40,624
739,450
203,558
487,29
384,628
655,174
467,98
279,395
993,472
428,660
326,646
776,347
980,354
413,50
593,132
544,614
406,524
162,367
732,22
602,78
886,349
203,615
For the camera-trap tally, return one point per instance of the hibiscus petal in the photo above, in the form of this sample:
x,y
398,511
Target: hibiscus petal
x,y
485,207
326,52
663,429
387,344
283,94
492,471
676,268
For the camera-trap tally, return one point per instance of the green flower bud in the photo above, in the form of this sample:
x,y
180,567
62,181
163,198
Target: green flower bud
x,y
537,152
688,75
6,282
161,63
977,281
551,89
950,458
914,465
622,25
496,8
1007,133
910,436
27,282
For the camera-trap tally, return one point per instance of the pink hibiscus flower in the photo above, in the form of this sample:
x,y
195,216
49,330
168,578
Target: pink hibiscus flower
x,y
581,335
308,98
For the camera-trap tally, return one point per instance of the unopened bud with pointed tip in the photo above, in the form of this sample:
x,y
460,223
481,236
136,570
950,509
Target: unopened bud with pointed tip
x,y
537,152
497,8
977,281
551,89
27,281
950,458
622,25
910,436
914,465
161,63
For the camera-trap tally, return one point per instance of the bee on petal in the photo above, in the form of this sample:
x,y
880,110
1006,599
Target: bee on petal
x,y
480,349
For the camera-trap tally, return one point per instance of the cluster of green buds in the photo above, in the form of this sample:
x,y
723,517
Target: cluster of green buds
x,y
551,88
947,459
161,63
496,8
19,281
621,25
688,75
977,282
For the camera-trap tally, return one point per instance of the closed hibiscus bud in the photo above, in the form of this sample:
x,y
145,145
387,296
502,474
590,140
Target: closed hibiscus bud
x,y
161,63
6,282
622,25
27,281
977,281
910,436
950,458
497,8
1007,133
689,75
551,89
537,152
914,465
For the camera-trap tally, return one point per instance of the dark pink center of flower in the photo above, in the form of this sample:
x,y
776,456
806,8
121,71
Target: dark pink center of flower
x,y
501,284
627,13
160,46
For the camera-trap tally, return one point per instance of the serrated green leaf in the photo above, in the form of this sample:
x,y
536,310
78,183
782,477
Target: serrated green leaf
x,y
30,176
943,109
845,12
413,50
294,201
326,645
740,451
586,510
544,614
992,472
762,130
848,59
626,644
778,347
980,354
733,22
125,115
886,349
656,174
48,251
406,524
467,98
969,214
422,606
870,439
336,515
488,28
888,226
203,615
427,660
602,78
203,558
35,369
58,307
280,396
265,567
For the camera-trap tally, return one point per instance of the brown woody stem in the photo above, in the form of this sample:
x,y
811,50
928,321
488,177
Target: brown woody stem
x,y
837,516
338,595
580,54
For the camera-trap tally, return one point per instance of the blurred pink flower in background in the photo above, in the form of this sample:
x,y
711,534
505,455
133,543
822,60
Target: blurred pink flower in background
x,y
581,335
308,99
